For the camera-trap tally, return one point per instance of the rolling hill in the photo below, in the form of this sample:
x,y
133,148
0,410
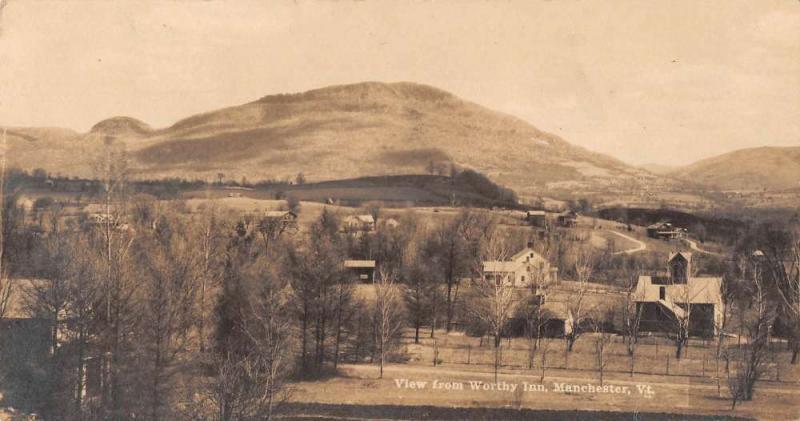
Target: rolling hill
x,y
337,132
772,168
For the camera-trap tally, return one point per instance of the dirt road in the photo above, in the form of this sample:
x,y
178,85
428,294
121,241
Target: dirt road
x,y
693,245
641,246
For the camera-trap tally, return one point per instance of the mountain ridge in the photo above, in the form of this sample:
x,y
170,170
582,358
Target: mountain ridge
x,y
757,168
345,131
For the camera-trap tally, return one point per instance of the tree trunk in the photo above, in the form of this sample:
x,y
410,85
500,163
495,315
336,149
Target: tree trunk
x,y
449,309
338,332
54,338
304,351
496,358
678,349
156,396
382,356
544,362
80,387
433,324
633,364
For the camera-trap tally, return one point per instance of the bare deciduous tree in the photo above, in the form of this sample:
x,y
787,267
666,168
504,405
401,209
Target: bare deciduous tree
x,y
631,314
577,306
388,315
5,281
112,245
493,295
168,292
209,236
784,267
47,297
751,358
602,340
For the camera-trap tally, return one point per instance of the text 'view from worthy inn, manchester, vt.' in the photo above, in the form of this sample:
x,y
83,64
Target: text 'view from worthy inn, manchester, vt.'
x,y
435,210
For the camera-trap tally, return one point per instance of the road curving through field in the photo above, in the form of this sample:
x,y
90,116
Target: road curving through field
x,y
640,245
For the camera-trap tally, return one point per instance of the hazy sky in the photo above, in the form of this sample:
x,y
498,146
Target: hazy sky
x,y
645,81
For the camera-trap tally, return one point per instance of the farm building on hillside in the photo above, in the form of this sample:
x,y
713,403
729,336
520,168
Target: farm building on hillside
x,y
358,223
285,216
537,284
598,304
275,223
525,268
361,271
537,218
665,231
664,300
592,303
568,219
98,214
287,219
25,203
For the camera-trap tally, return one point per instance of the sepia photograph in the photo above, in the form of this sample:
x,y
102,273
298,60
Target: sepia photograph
x,y
238,210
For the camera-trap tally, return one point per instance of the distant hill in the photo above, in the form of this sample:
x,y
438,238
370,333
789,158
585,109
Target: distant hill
x,y
122,126
772,168
339,132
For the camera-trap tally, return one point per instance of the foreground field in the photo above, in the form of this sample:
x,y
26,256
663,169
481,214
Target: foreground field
x,y
313,411
659,383
360,385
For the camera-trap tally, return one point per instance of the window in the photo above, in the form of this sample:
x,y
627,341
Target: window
x,y
662,293
523,278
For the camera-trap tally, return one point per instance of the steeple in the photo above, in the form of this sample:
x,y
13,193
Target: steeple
x,y
679,267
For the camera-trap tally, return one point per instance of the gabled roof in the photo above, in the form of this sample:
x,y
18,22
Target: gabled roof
x,y
685,254
352,264
697,290
279,214
522,255
366,219
594,304
516,262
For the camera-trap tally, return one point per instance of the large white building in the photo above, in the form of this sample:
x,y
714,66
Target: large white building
x,y
676,295
523,269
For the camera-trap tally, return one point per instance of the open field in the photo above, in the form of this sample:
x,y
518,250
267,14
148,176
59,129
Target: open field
x,y
359,385
689,388
655,355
